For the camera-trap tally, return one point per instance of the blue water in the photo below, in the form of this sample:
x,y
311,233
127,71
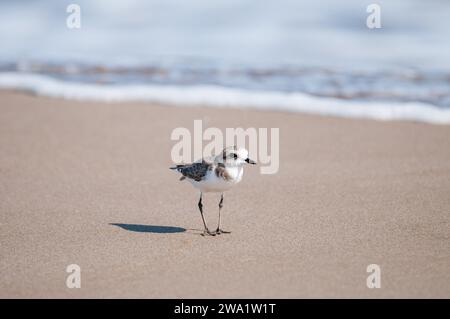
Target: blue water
x,y
321,48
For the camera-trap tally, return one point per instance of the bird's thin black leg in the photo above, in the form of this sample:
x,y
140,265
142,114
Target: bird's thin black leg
x,y
218,230
200,207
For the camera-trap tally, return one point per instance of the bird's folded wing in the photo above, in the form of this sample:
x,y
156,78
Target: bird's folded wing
x,y
195,171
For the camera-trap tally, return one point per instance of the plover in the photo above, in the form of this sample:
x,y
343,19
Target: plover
x,y
216,174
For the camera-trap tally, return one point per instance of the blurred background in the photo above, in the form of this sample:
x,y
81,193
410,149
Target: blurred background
x,y
316,48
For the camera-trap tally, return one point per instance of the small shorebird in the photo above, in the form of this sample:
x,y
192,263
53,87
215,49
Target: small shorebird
x,y
216,174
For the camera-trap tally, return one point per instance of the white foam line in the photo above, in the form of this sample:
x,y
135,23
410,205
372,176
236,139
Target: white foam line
x,y
216,96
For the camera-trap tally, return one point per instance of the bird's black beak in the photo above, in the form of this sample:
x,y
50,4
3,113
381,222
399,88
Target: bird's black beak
x,y
250,161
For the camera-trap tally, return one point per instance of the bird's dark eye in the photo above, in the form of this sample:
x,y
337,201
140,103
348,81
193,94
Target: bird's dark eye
x,y
235,156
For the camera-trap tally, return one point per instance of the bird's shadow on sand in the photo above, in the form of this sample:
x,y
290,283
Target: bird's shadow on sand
x,y
155,229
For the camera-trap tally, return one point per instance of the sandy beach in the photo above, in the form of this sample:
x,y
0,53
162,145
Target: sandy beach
x,y
88,183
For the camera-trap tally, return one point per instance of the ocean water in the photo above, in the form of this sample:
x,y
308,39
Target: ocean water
x,y
316,57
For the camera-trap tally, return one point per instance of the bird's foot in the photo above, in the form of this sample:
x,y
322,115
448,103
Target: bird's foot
x,y
221,231
207,232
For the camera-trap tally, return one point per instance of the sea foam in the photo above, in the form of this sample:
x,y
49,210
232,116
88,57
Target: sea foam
x,y
217,96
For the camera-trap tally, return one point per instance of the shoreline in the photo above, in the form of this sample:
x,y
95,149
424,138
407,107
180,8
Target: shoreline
x,y
216,96
88,183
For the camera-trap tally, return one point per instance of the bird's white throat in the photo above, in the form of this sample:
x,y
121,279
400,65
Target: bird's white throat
x,y
235,172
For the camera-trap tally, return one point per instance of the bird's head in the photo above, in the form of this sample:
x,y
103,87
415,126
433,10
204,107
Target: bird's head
x,y
233,156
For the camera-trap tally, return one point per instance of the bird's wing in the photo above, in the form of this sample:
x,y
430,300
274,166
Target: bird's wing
x,y
195,171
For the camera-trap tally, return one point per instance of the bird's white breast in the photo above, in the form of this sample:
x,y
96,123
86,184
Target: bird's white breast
x,y
214,183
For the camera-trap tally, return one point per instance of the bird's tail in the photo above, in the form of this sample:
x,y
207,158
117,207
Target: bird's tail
x,y
178,169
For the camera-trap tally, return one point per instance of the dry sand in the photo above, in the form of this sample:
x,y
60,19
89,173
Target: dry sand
x,y
349,193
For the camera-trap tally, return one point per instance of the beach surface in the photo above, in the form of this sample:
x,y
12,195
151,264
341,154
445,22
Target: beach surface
x,y
88,184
